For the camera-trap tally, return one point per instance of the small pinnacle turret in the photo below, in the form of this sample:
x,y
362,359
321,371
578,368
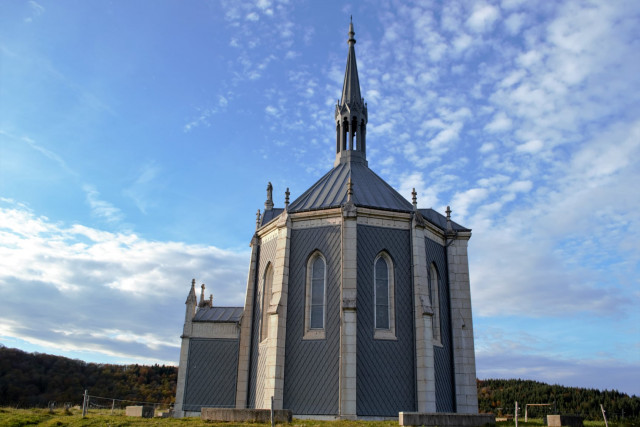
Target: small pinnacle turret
x,y
268,204
351,112
191,298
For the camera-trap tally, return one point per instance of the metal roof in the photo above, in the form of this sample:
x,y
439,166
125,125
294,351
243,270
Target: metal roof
x,y
369,190
439,220
269,215
219,314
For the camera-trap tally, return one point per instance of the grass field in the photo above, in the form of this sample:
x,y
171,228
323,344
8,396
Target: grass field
x,y
11,417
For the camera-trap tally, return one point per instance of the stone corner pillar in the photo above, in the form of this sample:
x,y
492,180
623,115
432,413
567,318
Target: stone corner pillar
x,y
464,360
244,350
425,368
182,374
275,352
348,314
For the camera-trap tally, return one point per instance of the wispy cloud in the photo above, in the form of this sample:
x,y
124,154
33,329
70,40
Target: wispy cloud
x,y
101,208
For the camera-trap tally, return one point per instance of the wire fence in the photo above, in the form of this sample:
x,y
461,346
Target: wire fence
x,y
116,404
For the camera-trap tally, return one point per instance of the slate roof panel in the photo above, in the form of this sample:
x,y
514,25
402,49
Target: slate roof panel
x,y
269,215
439,220
219,314
369,190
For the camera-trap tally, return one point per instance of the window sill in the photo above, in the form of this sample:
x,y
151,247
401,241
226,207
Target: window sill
x,y
314,334
384,334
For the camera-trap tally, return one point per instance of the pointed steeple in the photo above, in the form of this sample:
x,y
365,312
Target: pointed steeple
x,y
351,112
351,87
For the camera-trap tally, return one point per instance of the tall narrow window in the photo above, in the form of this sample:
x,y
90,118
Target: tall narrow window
x,y
316,299
434,293
267,281
383,296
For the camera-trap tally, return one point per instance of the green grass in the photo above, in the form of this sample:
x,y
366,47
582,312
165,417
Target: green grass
x,y
11,417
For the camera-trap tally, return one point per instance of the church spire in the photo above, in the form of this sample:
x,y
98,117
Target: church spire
x,y
351,112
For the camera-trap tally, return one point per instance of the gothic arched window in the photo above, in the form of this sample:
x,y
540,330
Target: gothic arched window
x,y
267,282
315,297
383,295
434,294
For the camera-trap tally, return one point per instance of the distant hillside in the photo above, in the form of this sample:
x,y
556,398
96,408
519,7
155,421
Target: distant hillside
x,y
34,379
499,397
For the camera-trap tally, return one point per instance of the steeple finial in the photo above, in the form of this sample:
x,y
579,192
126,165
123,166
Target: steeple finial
x,y
351,32
414,198
349,190
286,199
258,219
448,211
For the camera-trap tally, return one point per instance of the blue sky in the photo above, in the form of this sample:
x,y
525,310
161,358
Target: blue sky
x,y
137,140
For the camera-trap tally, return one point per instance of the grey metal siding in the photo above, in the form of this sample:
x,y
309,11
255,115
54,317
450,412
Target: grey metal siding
x,y
385,369
311,372
267,254
211,374
445,391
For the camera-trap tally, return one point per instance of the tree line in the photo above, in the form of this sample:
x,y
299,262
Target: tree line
x,y
499,397
34,379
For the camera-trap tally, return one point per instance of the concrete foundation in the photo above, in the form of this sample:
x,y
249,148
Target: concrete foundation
x,y
245,415
565,420
445,419
140,411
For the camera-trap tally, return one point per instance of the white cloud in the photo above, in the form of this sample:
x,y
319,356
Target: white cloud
x,y
113,284
500,123
532,147
483,18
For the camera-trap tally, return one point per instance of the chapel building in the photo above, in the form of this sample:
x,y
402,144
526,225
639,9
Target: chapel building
x,y
357,305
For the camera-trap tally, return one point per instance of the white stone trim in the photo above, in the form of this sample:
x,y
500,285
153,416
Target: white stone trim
x,y
386,219
215,330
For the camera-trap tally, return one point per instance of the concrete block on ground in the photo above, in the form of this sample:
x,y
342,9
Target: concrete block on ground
x,y
565,420
245,415
442,419
139,411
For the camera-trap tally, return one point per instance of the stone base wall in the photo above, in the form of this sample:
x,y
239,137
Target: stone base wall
x,y
445,419
245,415
565,420
140,411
